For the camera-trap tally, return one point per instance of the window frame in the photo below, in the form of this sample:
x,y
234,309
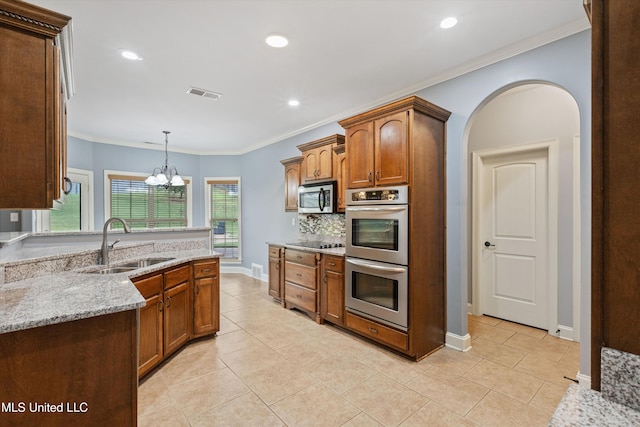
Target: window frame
x,y
85,179
107,194
207,214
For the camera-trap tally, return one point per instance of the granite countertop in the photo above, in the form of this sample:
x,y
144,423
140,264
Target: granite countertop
x,y
329,251
75,294
584,407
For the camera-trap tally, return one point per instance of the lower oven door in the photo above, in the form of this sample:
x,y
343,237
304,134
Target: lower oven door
x,y
378,291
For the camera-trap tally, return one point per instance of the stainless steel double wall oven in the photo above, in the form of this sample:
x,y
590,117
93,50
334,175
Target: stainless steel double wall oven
x,y
377,221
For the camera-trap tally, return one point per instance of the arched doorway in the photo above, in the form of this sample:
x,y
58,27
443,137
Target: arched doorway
x,y
522,119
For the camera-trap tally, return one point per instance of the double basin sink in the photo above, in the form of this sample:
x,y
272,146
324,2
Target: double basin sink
x,y
129,266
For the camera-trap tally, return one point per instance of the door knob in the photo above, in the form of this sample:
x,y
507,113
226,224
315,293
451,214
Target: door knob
x,y
489,245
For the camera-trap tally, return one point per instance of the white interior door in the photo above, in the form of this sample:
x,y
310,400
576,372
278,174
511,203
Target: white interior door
x,y
514,221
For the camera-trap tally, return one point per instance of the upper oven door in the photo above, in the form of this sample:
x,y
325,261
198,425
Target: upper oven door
x,y
378,232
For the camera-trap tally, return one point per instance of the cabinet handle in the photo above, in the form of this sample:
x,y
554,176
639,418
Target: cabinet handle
x,y
369,176
277,266
373,330
332,264
197,289
298,274
299,296
161,304
377,175
206,270
169,303
68,185
324,279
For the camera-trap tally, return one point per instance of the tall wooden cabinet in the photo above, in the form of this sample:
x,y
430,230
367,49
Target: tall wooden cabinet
x,y
291,182
340,173
206,301
33,131
404,143
615,263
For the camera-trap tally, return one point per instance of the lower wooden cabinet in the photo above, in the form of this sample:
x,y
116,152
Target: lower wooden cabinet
x,y
332,289
377,332
301,281
172,316
206,300
276,276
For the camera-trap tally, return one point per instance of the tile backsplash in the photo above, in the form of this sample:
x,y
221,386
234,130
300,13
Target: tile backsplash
x,y
324,225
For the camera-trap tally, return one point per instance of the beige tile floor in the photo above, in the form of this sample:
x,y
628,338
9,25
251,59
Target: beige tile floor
x,y
274,367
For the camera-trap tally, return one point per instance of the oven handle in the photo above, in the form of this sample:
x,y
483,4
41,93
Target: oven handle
x,y
365,264
378,209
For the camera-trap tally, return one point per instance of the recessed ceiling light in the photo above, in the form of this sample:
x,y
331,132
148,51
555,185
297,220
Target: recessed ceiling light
x,y
293,102
130,55
277,40
448,22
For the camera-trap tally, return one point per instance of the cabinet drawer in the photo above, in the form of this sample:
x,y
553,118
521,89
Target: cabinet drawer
x,y
205,268
177,276
306,258
376,331
149,286
302,297
274,252
333,263
300,274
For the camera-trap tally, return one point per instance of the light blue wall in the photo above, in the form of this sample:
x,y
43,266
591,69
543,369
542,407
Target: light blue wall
x,y
565,63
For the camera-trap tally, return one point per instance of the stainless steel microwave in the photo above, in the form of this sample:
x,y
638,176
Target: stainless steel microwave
x,y
317,198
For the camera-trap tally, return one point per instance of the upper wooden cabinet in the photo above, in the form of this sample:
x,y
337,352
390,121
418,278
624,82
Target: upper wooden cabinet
x,y
340,172
317,159
291,182
379,142
34,42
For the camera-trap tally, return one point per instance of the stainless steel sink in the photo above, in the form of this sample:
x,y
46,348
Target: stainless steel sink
x,y
145,262
129,266
112,270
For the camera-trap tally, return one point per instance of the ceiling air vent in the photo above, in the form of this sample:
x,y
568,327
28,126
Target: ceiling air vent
x,y
203,92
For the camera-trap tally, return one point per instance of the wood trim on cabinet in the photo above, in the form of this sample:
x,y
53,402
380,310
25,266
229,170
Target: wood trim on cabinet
x,y
411,102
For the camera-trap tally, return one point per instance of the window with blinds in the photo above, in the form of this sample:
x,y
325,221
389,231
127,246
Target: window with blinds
x,y
224,215
146,206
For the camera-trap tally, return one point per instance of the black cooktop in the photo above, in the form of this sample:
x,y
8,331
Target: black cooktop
x,y
316,244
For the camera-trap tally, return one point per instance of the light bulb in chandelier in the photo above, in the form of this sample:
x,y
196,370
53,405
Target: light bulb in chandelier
x,y
165,176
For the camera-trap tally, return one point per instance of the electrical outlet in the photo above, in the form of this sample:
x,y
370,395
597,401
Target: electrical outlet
x,y
293,221
14,217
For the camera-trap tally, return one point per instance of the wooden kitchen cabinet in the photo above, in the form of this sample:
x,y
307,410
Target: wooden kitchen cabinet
x,y
206,301
33,131
301,281
291,182
317,159
332,289
276,276
379,142
340,172
176,308
150,327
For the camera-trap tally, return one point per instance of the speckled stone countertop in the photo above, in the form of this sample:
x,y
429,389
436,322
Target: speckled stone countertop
x,y
71,295
329,251
582,407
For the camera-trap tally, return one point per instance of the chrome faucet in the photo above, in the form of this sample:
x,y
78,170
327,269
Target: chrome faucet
x,y
105,245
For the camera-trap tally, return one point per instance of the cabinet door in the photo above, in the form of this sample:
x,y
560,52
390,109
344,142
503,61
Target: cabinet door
x,y
150,334
392,149
360,155
325,163
291,183
341,179
310,165
176,317
275,278
206,319
332,297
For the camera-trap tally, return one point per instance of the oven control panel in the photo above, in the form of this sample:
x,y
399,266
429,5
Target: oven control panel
x,y
375,196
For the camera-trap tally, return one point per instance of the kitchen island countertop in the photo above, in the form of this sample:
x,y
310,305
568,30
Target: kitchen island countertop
x,y
71,295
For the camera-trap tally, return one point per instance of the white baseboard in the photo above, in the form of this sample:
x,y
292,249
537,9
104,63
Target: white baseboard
x,y
242,270
584,380
457,342
566,333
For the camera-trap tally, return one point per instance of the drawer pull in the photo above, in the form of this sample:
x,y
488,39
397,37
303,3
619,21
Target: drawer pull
x,y
332,264
299,256
373,330
299,296
299,274
206,270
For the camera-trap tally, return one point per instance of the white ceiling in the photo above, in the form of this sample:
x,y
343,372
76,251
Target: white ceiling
x,y
343,57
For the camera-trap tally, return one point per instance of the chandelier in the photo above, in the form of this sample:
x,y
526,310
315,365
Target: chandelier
x,y
165,176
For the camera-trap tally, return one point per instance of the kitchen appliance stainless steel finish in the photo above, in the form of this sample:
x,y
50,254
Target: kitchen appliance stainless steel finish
x,y
377,291
377,222
317,198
